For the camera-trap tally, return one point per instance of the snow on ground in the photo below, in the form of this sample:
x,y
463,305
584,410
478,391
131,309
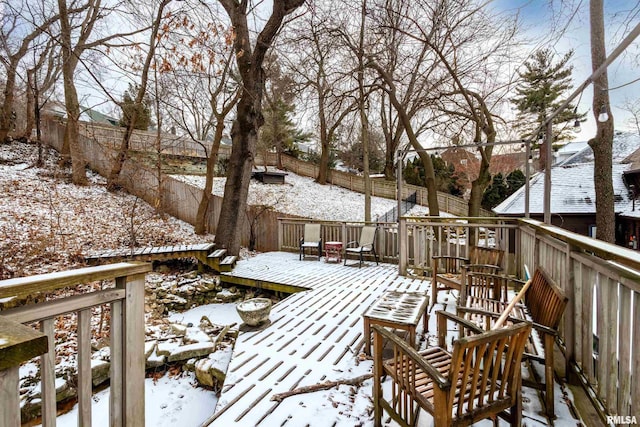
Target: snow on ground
x,y
218,314
48,223
170,401
302,196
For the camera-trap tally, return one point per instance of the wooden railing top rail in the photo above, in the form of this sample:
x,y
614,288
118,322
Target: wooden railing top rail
x,y
461,218
19,343
24,286
322,221
606,251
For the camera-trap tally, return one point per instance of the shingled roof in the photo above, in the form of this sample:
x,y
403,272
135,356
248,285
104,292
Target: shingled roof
x,y
572,187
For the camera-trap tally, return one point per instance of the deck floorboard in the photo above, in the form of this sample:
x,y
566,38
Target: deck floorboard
x,y
314,336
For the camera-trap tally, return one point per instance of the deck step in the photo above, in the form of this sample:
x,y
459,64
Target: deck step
x,y
228,263
218,253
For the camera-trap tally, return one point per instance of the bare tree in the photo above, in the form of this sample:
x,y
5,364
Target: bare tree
x,y
473,50
319,71
244,131
204,91
602,142
41,78
158,20
633,108
15,45
75,40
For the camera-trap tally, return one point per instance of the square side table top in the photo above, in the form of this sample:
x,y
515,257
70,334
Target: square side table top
x,y
399,307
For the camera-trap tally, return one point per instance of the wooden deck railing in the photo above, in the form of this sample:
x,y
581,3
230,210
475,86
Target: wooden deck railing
x,y
602,320
291,230
126,299
599,334
436,236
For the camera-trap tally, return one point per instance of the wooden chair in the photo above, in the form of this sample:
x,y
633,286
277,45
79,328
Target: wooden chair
x,y
544,304
479,287
478,378
311,239
448,271
365,244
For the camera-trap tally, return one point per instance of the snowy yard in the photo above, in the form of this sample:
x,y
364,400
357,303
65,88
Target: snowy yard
x,y
303,197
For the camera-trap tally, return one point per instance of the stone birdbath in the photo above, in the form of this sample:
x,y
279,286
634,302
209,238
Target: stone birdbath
x,y
254,311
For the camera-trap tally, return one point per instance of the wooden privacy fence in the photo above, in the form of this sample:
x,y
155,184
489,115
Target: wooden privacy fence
x,y
176,198
127,370
379,187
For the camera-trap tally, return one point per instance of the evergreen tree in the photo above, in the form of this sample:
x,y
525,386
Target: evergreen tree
x,y
446,177
514,180
495,193
143,115
279,132
542,90
501,188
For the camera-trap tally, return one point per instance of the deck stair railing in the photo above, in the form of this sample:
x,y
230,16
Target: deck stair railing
x,y
19,342
405,206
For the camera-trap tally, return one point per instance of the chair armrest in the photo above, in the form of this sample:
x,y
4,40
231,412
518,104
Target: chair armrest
x,y
439,379
353,242
459,320
466,260
479,311
443,316
471,267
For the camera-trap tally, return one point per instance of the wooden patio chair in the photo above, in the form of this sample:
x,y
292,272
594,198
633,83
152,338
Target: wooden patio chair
x,y
448,272
543,304
311,239
365,244
478,378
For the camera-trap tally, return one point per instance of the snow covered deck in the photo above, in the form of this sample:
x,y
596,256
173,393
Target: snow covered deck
x,y
316,336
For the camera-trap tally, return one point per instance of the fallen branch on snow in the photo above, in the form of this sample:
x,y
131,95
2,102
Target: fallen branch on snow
x,y
357,381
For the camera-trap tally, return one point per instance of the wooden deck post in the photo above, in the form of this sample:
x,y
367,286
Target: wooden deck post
x,y
18,343
132,348
403,247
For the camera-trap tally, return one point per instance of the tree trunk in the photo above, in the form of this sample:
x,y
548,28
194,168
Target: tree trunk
x,y
70,60
212,160
602,143
364,121
478,186
78,162
244,132
7,105
30,110
325,143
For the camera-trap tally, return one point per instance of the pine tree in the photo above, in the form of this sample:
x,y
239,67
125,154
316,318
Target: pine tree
x,y
495,193
279,132
143,115
447,180
544,86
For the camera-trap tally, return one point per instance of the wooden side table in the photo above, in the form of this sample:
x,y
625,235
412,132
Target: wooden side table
x,y
398,310
333,252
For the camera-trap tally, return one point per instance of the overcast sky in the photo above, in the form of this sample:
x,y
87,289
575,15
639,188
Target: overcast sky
x,y
566,26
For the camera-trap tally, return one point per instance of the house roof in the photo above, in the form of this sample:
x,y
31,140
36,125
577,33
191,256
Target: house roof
x,y
572,187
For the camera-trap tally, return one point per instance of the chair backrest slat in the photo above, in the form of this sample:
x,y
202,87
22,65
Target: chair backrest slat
x,y
367,236
486,367
312,232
